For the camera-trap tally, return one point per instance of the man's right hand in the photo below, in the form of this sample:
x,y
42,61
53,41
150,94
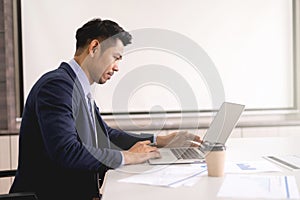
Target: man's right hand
x,y
140,152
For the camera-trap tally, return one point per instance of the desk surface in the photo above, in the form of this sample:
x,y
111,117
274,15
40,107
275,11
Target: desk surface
x,y
207,187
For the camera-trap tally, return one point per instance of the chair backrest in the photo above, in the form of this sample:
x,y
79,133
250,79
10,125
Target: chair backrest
x,y
7,173
18,196
15,196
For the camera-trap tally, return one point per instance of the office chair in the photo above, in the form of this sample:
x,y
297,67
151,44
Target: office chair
x,y
15,196
7,173
18,196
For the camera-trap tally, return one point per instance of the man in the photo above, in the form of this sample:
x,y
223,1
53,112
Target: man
x,y
65,146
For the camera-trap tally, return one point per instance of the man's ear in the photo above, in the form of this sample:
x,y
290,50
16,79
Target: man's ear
x,y
94,46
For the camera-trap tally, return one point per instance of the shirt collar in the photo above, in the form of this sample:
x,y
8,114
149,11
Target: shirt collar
x,y
85,84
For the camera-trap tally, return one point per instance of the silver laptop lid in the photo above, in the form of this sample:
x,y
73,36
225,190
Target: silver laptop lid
x,y
223,123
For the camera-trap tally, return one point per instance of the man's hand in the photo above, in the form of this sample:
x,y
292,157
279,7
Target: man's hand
x,y
178,139
142,147
140,152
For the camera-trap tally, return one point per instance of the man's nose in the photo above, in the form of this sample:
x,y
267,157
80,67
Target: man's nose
x,y
116,67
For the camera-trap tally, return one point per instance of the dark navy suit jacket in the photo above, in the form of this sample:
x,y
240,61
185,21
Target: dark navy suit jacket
x,y
57,154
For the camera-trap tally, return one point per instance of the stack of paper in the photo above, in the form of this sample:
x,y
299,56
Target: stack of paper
x,y
169,176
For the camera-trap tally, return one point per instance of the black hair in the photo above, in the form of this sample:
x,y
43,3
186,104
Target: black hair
x,y
104,29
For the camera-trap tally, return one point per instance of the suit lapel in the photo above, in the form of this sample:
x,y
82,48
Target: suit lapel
x,y
103,139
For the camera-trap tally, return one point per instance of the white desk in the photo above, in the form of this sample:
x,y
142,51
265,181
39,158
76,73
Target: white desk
x,y
207,187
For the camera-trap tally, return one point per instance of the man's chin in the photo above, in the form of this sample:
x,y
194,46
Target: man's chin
x,y
102,81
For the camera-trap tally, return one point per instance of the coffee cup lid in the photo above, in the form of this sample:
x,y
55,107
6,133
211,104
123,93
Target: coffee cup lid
x,y
214,147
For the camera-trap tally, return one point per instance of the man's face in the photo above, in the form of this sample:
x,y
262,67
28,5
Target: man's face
x,y
106,62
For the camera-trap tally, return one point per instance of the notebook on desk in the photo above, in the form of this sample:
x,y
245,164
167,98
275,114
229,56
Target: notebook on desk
x,y
289,161
218,132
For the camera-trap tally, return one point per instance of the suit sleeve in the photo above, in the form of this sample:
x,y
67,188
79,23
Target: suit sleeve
x,y
124,140
62,143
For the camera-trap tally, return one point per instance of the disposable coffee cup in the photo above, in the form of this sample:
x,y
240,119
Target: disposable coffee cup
x,y
215,159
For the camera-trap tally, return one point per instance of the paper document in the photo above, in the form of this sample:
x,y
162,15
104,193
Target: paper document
x,y
259,186
251,167
169,175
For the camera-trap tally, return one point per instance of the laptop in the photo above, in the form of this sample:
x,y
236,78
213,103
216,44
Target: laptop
x,y
218,132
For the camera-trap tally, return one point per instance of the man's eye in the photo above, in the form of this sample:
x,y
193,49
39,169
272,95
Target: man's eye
x,y
117,58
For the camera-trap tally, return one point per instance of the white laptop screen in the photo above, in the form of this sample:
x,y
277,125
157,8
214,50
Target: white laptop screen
x,y
223,123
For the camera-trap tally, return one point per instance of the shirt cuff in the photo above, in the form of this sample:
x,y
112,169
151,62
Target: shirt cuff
x,y
154,139
123,159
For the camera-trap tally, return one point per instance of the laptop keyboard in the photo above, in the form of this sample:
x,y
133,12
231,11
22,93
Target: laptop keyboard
x,y
186,153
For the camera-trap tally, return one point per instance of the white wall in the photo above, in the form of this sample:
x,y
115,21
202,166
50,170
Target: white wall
x,y
249,42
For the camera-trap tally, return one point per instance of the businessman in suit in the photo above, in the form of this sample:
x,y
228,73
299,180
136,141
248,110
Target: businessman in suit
x,y
65,147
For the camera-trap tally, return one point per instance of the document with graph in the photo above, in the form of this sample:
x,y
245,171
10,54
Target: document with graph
x,y
258,166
